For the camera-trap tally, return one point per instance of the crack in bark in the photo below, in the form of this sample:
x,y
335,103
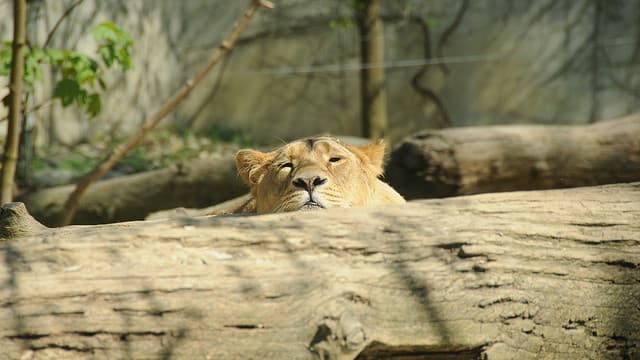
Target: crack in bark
x,y
598,224
380,350
122,336
451,246
502,300
355,298
621,263
115,333
64,347
26,336
146,292
55,313
466,254
579,323
246,326
145,312
596,241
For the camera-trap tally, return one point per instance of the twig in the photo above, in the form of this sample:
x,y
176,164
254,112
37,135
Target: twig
x,y
121,151
425,91
42,105
449,30
214,90
60,20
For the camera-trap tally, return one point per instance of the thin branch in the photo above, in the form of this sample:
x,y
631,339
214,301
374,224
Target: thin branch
x,y
121,151
42,105
59,22
449,30
214,90
415,80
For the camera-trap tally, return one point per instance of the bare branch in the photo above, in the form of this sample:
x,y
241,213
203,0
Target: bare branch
x,y
59,22
425,91
449,30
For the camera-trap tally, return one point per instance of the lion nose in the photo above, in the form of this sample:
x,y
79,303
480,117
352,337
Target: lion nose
x,y
309,183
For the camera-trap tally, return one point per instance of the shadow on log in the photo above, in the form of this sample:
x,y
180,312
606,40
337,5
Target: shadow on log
x,y
197,183
482,159
524,275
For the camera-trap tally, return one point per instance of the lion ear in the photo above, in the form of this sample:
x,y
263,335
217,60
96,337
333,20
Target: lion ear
x,y
251,165
375,154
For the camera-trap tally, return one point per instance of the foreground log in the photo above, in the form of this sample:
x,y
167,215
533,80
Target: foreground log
x,y
527,275
482,159
197,183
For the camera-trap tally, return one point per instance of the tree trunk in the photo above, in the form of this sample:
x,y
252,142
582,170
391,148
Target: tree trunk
x,y
526,275
451,162
10,155
373,96
197,183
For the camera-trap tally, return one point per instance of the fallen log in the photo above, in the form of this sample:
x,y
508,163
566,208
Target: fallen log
x,y
481,159
197,183
525,275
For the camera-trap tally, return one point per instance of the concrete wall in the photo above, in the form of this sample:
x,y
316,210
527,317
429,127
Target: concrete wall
x,y
510,61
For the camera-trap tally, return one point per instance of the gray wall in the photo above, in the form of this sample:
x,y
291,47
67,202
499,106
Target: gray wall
x,y
510,61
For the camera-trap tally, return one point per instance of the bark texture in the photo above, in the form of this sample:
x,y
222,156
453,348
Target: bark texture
x,y
197,183
372,84
484,159
526,275
10,155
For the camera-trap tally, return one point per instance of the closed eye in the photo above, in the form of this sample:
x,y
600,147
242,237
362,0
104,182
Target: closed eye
x,y
286,165
335,159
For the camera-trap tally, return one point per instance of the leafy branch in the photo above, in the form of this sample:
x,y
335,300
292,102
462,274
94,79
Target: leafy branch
x,y
121,151
80,73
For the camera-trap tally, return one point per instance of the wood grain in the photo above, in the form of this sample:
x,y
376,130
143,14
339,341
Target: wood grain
x,y
527,275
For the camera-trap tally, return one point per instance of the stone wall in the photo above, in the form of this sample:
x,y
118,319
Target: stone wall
x,y
508,61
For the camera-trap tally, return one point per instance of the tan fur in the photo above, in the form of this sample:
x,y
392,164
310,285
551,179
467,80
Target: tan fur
x,y
314,173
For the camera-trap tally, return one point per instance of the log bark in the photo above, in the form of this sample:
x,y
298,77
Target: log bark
x,y
196,183
525,275
473,160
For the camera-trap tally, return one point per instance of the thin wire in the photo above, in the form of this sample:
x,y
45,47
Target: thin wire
x,y
356,66
359,66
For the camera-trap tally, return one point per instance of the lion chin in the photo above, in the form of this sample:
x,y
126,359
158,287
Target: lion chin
x,y
313,174
311,205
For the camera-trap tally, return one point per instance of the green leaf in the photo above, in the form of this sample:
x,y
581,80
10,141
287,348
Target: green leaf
x,y
5,59
343,22
94,105
55,56
431,22
357,5
79,72
68,91
107,53
114,45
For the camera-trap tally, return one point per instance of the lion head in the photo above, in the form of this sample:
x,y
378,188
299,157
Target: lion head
x,y
316,173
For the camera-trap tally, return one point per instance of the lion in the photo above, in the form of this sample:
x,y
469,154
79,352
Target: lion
x,y
314,173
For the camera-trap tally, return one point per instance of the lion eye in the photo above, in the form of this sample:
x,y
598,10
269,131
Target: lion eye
x,y
335,159
286,165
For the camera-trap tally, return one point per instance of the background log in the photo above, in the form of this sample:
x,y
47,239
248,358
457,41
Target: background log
x,y
526,275
471,160
196,183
